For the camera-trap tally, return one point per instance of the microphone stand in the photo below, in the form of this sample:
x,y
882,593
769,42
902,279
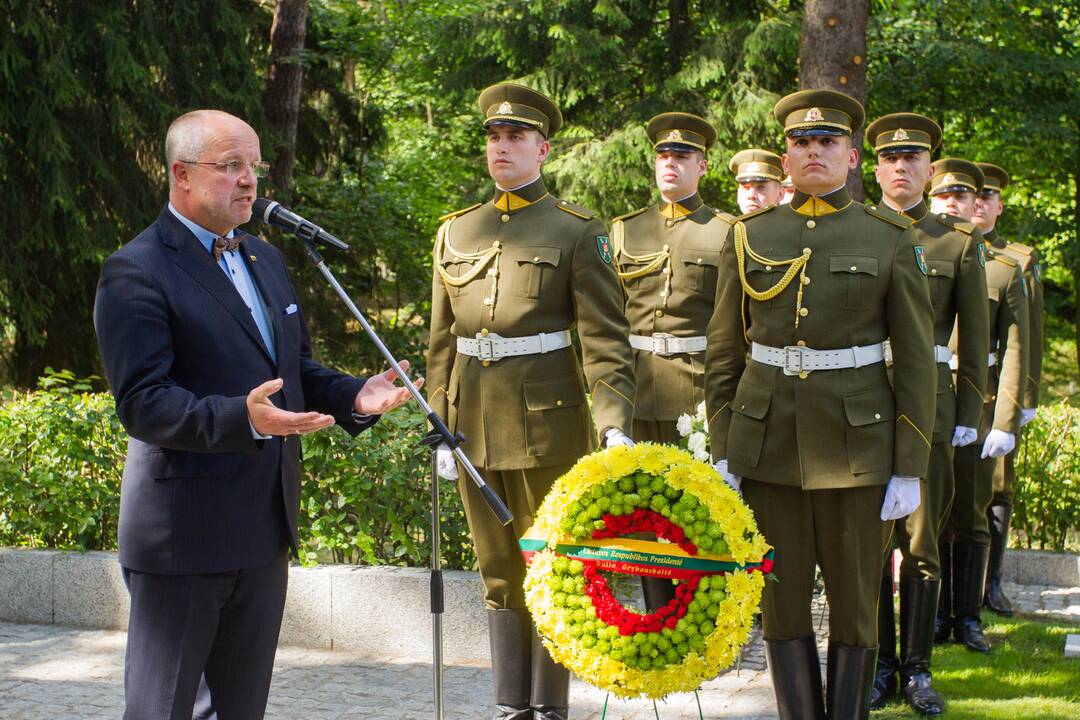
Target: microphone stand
x,y
438,435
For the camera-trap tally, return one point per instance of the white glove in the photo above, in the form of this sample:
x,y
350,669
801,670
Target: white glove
x,y
1026,416
614,436
902,497
998,443
444,458
734,481
963,436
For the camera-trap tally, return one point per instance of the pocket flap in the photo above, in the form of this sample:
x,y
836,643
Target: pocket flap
x,y
538,255
692,256
853,264
753,266
752,401
867,408
940,268
553,393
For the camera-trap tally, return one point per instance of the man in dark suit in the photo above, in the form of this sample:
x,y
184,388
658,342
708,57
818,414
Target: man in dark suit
x,y
208,357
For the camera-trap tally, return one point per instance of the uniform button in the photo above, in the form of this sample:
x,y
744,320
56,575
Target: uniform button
x,y
854,268
942,216
933,271
669,223
484,332
496,244
811,224
806,251
485,363
505,217
803,375
666,248
804,311
558,403
700,260
743,406
873,207
659,313
667,271
877,416
806,280
536,258
801,343
768,268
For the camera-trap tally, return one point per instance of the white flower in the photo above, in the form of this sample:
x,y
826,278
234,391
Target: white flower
x,y
684,425
702,455
701,411
697,443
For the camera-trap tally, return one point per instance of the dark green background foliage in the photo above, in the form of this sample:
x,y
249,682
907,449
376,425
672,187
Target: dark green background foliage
x,y
364,500
1046,512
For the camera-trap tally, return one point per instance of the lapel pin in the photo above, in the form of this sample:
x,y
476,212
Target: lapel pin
x,y
253,258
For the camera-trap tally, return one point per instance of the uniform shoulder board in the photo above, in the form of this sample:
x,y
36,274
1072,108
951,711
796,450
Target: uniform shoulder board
x,y
951,221
1021,248
889,216
575,210
1002,258
747,216
725,216
627,216
462,211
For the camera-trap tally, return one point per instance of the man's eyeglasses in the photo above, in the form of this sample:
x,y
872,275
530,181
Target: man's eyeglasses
x,y
233,168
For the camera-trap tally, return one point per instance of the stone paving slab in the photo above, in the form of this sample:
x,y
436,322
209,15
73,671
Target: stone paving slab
x,y
55,673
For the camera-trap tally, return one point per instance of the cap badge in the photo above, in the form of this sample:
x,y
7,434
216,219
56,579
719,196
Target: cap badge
x,y
950,179
813,115
674,135
900,134
505,109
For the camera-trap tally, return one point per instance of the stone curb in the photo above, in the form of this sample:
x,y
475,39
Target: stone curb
x,y
378,610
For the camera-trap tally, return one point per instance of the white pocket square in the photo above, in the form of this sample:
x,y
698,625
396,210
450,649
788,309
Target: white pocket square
x,y
291,309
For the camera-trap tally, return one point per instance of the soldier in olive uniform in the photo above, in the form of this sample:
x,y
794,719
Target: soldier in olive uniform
x,y
829,451
786,190
988,208
953,185
759,174
667,256
955,258
513,276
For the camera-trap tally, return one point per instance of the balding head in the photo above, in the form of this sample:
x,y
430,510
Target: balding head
x,y
189,134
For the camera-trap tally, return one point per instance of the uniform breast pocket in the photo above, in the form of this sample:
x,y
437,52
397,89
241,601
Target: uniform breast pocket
x,y
453,271
763,277
941,274
871,415
555,416
533,270
639,280
853,278
746,434
699,268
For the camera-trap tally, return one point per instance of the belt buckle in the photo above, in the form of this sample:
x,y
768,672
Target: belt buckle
x,y
485,349
793,359
660,344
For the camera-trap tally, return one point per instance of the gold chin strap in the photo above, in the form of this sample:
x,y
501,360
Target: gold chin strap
x,y
480,259
795,266
653,261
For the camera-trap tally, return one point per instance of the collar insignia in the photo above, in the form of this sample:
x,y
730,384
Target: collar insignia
x,y
813,115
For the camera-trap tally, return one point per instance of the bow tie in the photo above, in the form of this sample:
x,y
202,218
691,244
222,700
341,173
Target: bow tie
x,y
222,244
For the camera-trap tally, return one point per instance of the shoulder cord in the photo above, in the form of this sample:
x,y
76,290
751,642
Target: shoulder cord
x,y
653,261
481,259
795,266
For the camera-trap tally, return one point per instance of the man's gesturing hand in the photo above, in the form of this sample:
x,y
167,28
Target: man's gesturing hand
x,y
268,419
380,394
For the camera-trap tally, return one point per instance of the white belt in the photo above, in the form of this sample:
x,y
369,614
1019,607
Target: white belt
x,y
664,344
991,361
495,347
942,354
795,358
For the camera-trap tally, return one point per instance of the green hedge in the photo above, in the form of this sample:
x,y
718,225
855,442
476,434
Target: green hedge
x,y
1046,503
364,500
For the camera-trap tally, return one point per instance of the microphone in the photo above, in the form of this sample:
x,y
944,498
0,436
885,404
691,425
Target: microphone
x,y
274,213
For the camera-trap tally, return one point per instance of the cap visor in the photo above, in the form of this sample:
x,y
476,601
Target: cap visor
x,y
677,147
816,132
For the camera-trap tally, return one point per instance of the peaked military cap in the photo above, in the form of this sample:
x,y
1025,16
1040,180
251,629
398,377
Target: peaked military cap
x,y
787,182
755,165
508,103
680,131
903,132
995,178
955,175
819,112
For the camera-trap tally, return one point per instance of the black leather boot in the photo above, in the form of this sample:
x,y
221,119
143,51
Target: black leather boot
x,y
884,688
658,592
918,607
796,674
969,571
550,685
943,623
849,675
510,632
998,514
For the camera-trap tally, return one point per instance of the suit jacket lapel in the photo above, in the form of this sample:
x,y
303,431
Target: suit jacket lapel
x,y
193,259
